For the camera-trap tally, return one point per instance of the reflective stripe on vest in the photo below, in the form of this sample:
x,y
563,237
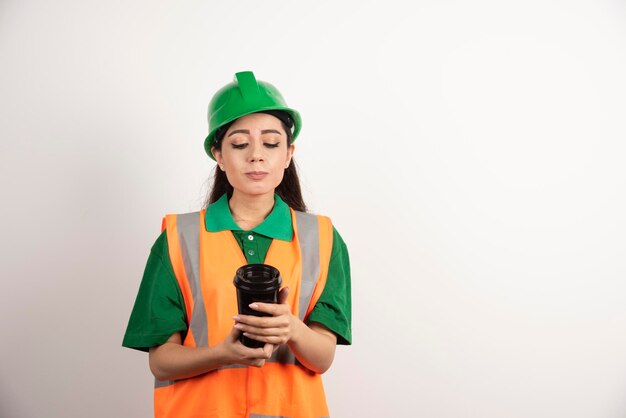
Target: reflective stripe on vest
x,y
308,236
189,241
204,264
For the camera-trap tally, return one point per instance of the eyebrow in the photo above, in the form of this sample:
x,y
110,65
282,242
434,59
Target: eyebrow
x,y
246,131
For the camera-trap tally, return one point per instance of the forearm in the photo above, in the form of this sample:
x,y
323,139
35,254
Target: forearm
x,y
172,361
314,346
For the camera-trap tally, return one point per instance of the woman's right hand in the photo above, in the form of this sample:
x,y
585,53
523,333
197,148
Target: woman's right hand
x,y
237,353
173,361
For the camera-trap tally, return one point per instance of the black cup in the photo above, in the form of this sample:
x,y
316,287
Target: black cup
x,y
256,283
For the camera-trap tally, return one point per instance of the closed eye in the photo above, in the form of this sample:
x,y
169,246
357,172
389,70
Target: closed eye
x,y
270,145
239,146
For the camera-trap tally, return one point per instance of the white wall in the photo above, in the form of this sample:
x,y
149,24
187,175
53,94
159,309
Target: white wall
x,y
470,153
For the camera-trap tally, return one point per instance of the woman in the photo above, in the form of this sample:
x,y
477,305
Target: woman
x,y
186,312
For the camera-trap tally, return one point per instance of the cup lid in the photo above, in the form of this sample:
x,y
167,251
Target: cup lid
x,y
257,278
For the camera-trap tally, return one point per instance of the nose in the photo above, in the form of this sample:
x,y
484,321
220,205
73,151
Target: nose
x,y
256,152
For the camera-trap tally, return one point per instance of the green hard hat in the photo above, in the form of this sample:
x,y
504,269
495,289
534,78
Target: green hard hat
x,y
243,96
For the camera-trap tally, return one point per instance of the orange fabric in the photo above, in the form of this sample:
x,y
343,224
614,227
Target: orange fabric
x,y
275,389
215,394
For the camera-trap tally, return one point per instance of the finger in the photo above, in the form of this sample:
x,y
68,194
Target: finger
x,y
253,354
261,331
266,339
257,363
255,321
263,353
270,308
233,336
282,295
263,323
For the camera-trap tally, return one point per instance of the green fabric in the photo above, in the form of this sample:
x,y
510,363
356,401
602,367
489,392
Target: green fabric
x,y
334,307
256,242
253,245
277,224
159,309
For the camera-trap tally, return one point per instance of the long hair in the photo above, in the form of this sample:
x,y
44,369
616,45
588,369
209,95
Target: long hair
x,y
289,188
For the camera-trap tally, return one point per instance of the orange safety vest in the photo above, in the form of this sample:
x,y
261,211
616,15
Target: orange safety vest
x,y
204,264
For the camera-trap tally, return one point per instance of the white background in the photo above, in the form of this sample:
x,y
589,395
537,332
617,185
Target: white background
x,y
470,153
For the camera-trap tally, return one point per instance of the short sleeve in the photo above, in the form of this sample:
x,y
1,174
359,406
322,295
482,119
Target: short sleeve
x,y
159,309
334,307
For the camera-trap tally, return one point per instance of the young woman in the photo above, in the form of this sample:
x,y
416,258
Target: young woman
x,y
186,314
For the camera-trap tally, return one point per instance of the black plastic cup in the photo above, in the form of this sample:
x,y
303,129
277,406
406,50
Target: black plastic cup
x,y
256,283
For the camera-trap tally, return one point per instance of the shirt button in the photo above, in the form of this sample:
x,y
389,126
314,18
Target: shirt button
x,y
251,252
250,237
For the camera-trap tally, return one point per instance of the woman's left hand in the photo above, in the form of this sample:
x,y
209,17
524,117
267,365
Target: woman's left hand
x,y
280,328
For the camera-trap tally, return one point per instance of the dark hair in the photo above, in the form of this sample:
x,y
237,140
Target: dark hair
x,y
289,188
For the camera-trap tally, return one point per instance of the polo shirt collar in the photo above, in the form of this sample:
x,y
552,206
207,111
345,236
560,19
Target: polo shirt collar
x,y
277,225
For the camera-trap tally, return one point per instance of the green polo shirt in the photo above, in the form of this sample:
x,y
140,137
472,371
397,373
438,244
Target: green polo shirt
x,y
159,309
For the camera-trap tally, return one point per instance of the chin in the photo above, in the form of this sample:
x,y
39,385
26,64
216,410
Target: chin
x,y
256,188
256,191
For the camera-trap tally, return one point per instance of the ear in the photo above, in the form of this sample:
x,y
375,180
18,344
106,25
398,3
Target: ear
x,y
290,150
218,157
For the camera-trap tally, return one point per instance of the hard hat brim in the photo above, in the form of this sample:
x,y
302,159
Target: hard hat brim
x,y
295,115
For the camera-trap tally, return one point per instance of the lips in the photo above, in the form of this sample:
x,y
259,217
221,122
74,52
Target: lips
x,y
256,175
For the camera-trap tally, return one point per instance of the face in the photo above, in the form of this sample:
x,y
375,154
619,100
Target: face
x,y
254,154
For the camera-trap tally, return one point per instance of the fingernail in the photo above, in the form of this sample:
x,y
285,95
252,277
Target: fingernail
x,y
236,318
253,305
